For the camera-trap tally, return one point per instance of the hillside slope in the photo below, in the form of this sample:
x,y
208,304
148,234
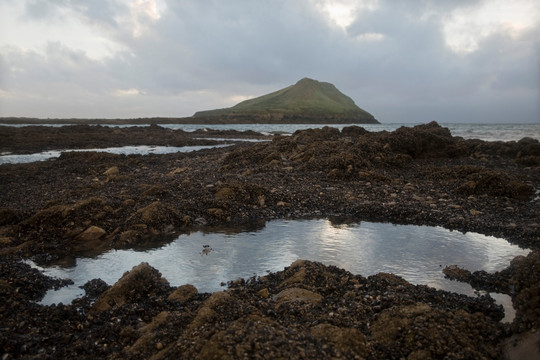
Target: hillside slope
x,y
307,101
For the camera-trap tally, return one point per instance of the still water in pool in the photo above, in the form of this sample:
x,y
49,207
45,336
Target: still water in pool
x,y
206,259
6,158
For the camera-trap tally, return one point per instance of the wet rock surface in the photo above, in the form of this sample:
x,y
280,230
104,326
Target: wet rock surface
x,y
30,139
311,310
76,205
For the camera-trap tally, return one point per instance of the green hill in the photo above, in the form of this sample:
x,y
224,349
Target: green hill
x,y
307,101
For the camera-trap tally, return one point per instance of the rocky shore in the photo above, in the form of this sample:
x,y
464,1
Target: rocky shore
x,y
85,203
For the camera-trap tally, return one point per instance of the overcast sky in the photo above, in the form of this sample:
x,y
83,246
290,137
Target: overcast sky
x,y
402,61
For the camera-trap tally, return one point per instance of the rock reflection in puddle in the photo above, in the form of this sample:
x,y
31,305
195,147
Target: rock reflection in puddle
x,y
416,253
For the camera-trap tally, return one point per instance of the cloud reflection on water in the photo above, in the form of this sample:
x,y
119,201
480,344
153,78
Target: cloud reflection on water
x,y
417,253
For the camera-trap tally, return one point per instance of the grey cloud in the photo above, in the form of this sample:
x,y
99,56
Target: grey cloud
x,y
100,11
259,41
217,46
95,11
243,47
60,76
40,9
516,64
413,70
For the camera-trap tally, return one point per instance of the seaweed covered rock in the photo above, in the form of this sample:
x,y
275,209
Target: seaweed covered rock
x,y
307,310
455,272
521,280
423,141
8,216
343,154
490,182
422,332
310,310
95,288
69,225
141,282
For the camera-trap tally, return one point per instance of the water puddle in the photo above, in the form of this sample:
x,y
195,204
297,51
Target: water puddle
x,y
123,150
205,260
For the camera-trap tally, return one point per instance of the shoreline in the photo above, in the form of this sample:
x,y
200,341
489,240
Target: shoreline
x,y
421,175
187,120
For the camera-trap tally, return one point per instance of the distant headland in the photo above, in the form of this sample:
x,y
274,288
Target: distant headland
x,y
306,102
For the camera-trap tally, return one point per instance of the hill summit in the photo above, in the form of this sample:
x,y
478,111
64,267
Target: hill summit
x,y
307,101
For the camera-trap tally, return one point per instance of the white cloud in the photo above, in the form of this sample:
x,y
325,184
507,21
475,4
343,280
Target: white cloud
x,y
68,28
143,14
5,94
467,26
235,99
127,92
343,13
371,36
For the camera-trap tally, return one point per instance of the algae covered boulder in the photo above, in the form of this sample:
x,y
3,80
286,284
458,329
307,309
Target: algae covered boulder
x,y
142,281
